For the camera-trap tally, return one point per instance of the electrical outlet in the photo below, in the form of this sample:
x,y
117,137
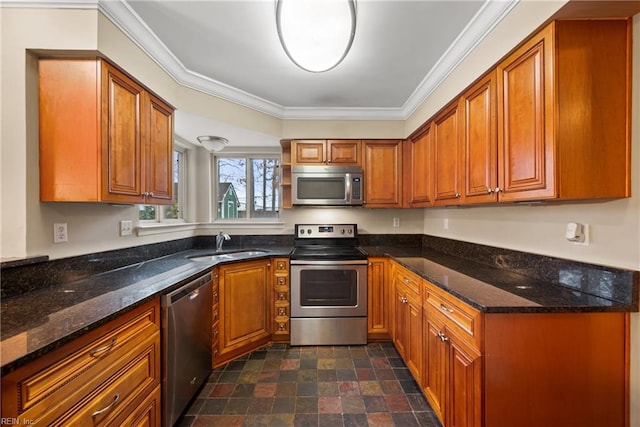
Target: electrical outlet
x,y
60,232
396,222
126,228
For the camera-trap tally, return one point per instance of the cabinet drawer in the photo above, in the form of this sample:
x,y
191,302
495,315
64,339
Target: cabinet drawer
x,y
461,317
412,282
128,385
56,382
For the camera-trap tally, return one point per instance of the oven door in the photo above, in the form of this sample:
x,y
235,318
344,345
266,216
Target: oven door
x,y
329,289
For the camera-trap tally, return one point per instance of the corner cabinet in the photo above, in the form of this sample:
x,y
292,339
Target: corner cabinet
x,y
564,113
110,376
103,136
245,316
417,168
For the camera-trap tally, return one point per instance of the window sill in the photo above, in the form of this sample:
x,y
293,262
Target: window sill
x,y
148,229
151,228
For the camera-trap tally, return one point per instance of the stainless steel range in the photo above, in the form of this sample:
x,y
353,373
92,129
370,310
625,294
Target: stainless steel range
x,y
328,286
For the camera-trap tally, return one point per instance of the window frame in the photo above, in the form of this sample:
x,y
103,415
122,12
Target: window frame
x,y
248,153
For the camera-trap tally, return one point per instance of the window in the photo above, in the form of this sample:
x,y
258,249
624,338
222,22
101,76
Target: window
x,y
175,211
247,187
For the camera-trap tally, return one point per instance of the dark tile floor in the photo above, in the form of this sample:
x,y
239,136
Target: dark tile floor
x,y
334,386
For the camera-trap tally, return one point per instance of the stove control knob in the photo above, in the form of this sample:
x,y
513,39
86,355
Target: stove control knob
x,y
301,231
342,231
350,231
309,231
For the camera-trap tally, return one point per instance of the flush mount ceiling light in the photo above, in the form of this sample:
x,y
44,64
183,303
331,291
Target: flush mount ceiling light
x,y
213,143
316,34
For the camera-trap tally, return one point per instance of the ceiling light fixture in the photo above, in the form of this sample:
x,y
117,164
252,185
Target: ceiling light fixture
x,y
213,143
316,34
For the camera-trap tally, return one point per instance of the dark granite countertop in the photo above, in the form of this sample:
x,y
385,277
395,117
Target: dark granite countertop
x,y
36,322
495,290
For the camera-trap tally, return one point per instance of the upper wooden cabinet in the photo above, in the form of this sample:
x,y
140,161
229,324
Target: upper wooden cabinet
x,y
447,156
103,136
564,113
417,168
344,152
382,167
479,141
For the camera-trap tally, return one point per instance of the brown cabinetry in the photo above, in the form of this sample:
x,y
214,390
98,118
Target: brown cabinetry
x,y
418,168
407,325
563,113
382,165
280,300
453,366
343,152
378,296
108,376
215,316
245,321
103,136
447,156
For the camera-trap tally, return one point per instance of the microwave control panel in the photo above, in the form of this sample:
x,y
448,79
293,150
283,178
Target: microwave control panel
x,y
333,231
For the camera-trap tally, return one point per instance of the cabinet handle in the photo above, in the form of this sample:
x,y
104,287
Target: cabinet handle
x,y
442,337
215,335
405,280
281,296
98,351
489,190
108,408
445,308
404,300
282,327
457,195
498,189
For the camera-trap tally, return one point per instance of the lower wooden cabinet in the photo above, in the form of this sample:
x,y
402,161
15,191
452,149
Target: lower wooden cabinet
x,y
102,378
378,300
280,300
245,321
215,316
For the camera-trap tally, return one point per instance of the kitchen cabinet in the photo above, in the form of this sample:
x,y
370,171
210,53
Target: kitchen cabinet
x,y
285,174
407,325
382,165
453,366
245,321
280,300
417,169
480,144
564,113
215,315
103,136
105,377
447,157
378,300
341,152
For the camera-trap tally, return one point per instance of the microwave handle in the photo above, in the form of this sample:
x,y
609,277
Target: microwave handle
x,y
348,187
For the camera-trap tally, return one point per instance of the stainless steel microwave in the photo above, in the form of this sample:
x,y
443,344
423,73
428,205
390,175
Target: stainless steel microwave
x,y
326,185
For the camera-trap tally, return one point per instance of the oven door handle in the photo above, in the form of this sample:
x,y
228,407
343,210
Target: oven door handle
x,y
333,262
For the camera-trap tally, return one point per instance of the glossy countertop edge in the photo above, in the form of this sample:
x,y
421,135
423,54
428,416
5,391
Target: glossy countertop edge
x,y
36,323
494,295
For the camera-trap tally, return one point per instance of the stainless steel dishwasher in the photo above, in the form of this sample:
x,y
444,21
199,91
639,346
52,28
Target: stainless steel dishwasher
x,y
186,345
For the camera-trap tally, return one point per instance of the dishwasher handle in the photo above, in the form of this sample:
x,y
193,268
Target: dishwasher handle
x,y
190,290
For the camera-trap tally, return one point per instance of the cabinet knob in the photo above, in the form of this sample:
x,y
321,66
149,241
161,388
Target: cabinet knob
x,y
442,337
498,189
489,190
457,195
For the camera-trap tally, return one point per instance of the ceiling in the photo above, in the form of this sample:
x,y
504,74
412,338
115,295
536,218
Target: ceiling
x,y
401,51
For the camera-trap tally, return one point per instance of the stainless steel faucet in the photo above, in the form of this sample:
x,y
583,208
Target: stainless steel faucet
x,y
220,238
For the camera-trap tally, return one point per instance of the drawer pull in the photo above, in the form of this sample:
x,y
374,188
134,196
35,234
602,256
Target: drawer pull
x,y
108,408
442,337
98,351
445,308
405,280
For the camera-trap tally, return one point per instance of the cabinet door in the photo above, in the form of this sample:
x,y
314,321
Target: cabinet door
x,y
417,169
414,352
122,145
244,306
344,152
309,151
447,180
378,299
480,142
435,365
401,321
526,145
383,174
464,384
159,152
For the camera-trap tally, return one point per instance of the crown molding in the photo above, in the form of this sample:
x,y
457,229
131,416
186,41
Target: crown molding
x,y
129,22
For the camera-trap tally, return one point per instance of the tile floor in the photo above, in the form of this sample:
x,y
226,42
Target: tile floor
x,y
334,386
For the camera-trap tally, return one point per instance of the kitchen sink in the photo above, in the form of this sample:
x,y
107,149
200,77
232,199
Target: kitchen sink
x,y
226,256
